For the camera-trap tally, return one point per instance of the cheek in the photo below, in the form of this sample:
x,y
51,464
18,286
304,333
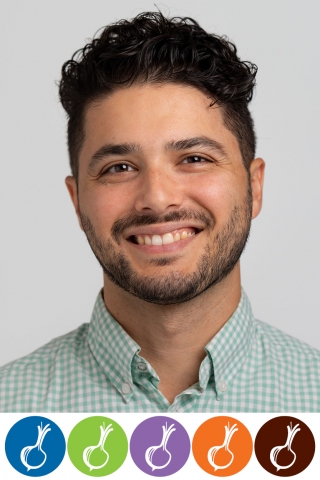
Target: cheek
x,y
104,206
216,195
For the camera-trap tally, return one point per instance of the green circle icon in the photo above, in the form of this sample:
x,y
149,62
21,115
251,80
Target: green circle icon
x,y
97,446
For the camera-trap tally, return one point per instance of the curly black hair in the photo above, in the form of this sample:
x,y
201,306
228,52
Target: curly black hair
x,y
155,49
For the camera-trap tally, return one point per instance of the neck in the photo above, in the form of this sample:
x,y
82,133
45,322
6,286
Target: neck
x,y
175,334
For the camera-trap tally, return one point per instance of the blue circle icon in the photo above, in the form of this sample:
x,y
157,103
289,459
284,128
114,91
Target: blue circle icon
x,y
35,446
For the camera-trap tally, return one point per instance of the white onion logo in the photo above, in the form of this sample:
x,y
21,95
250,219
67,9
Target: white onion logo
x,y
166,432
214,450
104,432
276,450
42,432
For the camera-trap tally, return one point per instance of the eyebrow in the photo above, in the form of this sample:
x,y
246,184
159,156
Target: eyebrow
x,y
122,149
112,149
202,141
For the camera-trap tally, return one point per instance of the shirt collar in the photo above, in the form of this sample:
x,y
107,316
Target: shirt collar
x,y
114,350
230,347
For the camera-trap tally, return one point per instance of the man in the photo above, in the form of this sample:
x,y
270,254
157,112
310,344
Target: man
x,y
164,183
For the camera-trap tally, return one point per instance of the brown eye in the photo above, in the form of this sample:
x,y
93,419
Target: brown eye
x,y
119,168
194,159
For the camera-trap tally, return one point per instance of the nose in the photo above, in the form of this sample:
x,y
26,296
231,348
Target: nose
x,y
160,191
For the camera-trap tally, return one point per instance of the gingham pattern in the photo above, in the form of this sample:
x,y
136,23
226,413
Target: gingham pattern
x,y
250,367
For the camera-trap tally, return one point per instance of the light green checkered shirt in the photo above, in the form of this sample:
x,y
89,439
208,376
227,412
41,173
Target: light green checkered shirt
x,y
249,367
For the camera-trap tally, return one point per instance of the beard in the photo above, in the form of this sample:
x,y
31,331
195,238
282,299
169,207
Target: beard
x,y
220,255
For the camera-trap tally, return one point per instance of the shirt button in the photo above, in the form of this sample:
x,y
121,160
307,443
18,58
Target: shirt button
x,y
223,386
125,388
142,367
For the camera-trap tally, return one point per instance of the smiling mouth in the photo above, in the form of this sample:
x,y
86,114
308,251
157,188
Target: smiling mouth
x,y
166,238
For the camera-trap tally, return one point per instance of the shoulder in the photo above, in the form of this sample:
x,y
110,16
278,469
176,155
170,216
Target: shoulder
x,y
280,374
284,344
25,383
47,353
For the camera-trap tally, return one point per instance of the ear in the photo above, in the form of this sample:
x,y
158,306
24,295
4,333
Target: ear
x,y
72,187
257,177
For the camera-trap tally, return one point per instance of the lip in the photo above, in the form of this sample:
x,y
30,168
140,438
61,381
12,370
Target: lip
x,y
161,229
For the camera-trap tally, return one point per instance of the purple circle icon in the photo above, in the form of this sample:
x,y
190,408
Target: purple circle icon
x,y
160,446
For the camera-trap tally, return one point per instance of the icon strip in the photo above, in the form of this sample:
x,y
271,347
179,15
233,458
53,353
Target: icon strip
x,y
159,446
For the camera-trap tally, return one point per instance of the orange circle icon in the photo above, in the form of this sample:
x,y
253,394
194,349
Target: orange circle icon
x,y
222,446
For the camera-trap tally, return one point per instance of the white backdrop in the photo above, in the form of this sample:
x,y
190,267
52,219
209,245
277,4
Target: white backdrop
x,y
49,277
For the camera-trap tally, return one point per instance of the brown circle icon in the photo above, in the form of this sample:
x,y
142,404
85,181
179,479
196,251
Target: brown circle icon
x,y
284,446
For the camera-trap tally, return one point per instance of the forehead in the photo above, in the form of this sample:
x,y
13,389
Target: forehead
x,y
153,115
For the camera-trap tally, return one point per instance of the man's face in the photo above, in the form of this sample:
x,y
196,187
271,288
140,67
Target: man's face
x,y
163,195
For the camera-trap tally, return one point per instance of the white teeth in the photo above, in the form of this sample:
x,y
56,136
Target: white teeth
x,y
163,239
156,240
167,238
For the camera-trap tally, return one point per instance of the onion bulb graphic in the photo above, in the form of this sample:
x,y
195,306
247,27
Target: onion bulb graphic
x,y
276,450
212,452
166,432
42,432
104,432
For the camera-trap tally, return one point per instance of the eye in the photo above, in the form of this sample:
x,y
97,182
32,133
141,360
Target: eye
x,y
195,159
118,168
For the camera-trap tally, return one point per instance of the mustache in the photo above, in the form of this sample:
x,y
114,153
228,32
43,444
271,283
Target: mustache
x,y
133,220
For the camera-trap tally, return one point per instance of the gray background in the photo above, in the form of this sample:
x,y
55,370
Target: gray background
x,y
49,277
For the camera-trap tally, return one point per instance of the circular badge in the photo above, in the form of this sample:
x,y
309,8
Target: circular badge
x,y
97,446
222,446
35,446
160,446
284,446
